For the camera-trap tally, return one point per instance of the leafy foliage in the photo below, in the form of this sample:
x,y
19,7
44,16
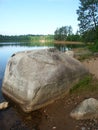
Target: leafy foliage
x,y
73,37
88,18
61,33
94,47
88,14
66,34
26,38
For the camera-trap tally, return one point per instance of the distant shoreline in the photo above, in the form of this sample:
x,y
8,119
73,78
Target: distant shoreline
x,y
67,42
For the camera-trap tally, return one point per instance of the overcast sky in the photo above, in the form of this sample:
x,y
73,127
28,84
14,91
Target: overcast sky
x,y
37,16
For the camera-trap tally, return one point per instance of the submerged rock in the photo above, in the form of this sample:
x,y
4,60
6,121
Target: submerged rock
x,y
88,109
36,78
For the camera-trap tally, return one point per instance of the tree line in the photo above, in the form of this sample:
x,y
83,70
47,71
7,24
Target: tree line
x,y
88,24
21,38
25,38
65,33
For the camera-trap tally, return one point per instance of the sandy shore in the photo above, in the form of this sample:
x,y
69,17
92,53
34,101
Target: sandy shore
x,y
92,65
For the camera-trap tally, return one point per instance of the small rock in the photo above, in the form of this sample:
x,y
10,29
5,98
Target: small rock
x,y
88,109
83,128
3,105
54,127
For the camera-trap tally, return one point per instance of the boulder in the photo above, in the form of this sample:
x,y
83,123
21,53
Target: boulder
x,y
34,79
69,53
88,109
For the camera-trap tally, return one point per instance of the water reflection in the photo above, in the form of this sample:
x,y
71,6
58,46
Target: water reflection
x,y
65,47
27,44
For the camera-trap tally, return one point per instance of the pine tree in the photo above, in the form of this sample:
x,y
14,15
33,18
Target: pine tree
x,y
88,15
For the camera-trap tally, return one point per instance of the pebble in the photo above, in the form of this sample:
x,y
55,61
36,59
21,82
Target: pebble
x,y
54,127
83,128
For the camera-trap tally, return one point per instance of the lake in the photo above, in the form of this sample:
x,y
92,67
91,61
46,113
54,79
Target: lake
x,y
10,119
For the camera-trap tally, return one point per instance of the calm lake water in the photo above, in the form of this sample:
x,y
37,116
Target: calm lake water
x,y
10,119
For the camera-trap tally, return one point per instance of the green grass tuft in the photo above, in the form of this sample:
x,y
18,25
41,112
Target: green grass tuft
x,y
88,83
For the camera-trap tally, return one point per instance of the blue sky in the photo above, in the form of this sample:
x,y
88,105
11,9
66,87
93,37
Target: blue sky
x,y
37,16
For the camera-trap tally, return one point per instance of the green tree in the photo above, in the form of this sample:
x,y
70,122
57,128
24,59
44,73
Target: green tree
x,y
62,33
88,15
69,30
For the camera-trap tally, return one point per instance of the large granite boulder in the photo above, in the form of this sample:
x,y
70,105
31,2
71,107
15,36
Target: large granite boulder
x,y
36,78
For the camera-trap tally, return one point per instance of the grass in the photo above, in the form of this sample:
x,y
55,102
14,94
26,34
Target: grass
x,y
87,84
82,53
83,57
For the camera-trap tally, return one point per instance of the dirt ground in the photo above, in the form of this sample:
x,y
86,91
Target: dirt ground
x,y
55,116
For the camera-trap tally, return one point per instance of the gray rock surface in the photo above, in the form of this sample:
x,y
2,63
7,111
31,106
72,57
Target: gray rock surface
x,y
88,109
69,53
36,78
